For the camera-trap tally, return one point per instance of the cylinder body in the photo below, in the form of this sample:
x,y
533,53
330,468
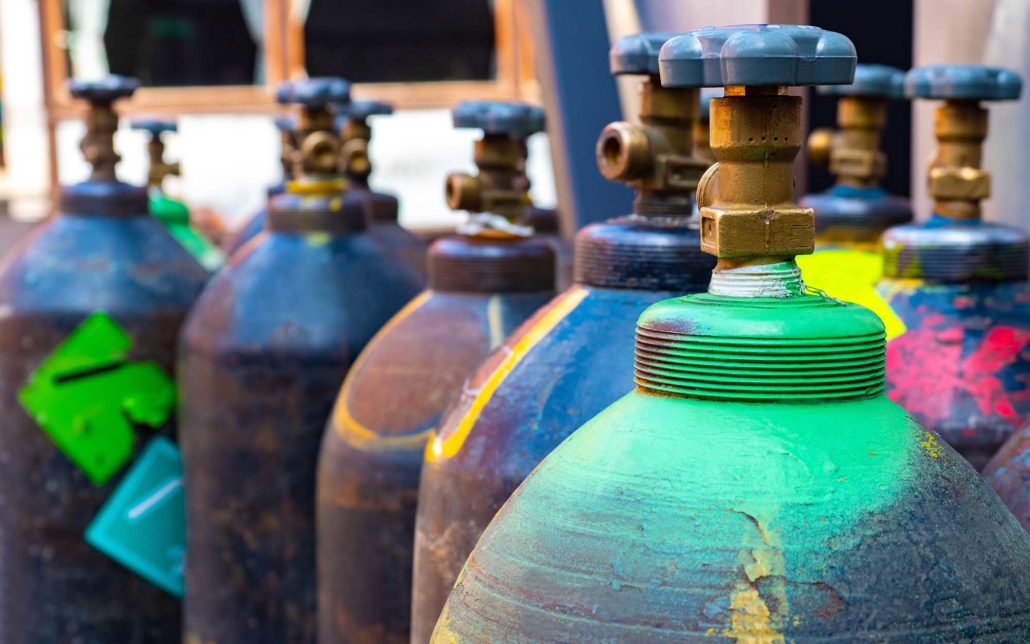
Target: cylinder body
x,y
56,587
391,401
263,356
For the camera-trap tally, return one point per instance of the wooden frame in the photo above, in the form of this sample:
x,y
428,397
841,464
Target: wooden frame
x,y
164,100
514,67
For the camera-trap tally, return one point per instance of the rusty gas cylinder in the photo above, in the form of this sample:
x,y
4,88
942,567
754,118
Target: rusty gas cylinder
x,y
287,127
1008,472
570,360
757,485
356,165
263,354
483,283
958,284
93,301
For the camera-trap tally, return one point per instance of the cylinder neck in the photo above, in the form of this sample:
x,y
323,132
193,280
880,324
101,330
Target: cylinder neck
x,y
748,215
856,159
956,181
98,144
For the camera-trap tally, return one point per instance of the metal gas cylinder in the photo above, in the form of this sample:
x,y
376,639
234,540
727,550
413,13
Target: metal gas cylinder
x,y
757,485
92,303
851,216
263,354
382,209
571,359
287,127
1008,472
958,284
173,213
483,283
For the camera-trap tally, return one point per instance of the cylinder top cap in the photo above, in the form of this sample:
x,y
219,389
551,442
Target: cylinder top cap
x,y
755,55
104,90
517,120
876,81
314,92
638,54
154,126
973,82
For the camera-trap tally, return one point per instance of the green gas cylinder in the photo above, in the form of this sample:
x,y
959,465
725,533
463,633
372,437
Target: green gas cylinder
x,y
851,215
171,212
757,485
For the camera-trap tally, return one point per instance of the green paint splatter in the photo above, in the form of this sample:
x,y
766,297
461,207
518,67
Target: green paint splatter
x,y
86,396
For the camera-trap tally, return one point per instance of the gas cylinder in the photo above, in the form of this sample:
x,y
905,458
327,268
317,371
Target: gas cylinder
x,y
851,216
1008,472
757,485
287,127
173,213
262,356
93,300
958,284
483,283
569,361
355,135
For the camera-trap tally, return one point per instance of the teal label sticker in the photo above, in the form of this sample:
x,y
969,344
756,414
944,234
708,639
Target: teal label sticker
x,y
86,395
143,525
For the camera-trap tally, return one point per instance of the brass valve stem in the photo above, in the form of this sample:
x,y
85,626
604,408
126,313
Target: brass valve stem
x,y
98,144
748,213
354,160
318,149
856,159
159,169
656,156
498,187
955,181
287,152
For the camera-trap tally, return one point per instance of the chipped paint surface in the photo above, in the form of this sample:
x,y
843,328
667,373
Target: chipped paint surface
x,y
667,519
963,367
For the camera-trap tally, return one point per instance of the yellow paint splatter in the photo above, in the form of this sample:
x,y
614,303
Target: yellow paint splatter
x,y
319,239
446,447
930,444
752,623
347,427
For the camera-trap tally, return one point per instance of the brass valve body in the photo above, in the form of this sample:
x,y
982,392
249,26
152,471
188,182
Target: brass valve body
x,y
656,156
159,168
354,160
748,213
499,188
288,152
318,149
853,152
98,144
955,180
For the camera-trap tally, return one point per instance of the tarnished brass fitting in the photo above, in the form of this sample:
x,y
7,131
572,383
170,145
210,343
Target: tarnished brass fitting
x,y
501,187
853,152
355,135
318,146
159,168
102,121
287,145
955,180
748,213
655,156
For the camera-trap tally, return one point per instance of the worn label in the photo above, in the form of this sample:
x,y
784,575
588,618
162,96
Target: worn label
x,y
86,396
143,525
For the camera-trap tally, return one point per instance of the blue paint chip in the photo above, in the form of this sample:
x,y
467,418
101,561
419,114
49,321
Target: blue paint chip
x,y
143,525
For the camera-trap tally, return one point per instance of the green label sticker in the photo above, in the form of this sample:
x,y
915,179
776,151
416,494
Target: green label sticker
x,y
86,395
143,525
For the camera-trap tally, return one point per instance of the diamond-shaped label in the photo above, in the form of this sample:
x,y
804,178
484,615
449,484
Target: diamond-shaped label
x,y
86,395
143,525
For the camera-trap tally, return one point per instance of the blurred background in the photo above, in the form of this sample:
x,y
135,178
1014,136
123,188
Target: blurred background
x,y
214,64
